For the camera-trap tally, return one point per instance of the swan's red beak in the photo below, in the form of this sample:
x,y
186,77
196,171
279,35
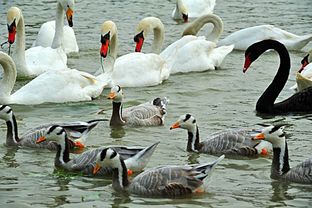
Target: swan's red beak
x,y
247,63
175,125
69,16
104,49
139,39
12,32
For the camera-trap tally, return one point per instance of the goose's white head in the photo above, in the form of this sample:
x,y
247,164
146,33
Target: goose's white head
x,y
68,6
273,134
54,133
182,9
107,158
6,112
108,30
13,17
115,94
186,121
146,26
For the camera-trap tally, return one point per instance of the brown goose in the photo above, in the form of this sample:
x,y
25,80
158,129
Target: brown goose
x,y
78,132
136,158
165,181
299,102
232,143
146,114
280,170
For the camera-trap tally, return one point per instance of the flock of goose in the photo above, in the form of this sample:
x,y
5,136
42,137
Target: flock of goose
x,y
46,63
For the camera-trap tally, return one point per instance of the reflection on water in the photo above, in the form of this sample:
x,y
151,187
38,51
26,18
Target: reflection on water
x,y
117,132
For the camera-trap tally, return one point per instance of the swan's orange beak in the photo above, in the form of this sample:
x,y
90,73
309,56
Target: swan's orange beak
x,y
247,63
259,137
79,145
96,168
69,16
111,95
40,139
139,39
104,48
12,32
175,125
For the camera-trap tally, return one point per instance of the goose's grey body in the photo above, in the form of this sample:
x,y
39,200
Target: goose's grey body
x,y
280,169
76,131
146,114
232,143
165,181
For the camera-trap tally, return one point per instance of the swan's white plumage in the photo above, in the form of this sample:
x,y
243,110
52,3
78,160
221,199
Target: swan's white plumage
x,y
194,8
242,39
303,79
46,35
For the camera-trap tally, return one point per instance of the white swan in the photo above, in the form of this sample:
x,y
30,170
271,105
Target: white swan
x,y
133,69
185,9
47,30
304,75
52,86
36,60
248,36
191,53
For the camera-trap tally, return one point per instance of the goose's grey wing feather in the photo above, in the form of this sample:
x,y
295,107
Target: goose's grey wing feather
x,y
127,152
301,173
168,180
30,137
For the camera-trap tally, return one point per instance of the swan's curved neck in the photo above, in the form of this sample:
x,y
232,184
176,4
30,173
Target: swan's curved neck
x,y
120,176
266,101
114,46
193,140
12,132
59,24
280,162
9,77
19,56
62,155
116,119
158,38
194,27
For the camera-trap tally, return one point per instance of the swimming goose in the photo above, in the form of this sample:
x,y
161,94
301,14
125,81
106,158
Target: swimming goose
x,y
77,131
191,53
133,69
299,102
146,114
164,181
231,142
186,9
49,30
35,60
304,75
242,39
280,170
136,158
52,86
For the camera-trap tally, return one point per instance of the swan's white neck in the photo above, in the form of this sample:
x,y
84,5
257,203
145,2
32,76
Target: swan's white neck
x,y
19,56
9,77
59,24
197,24
158,29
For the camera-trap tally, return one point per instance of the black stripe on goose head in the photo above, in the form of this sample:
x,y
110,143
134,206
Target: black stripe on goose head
x,y
114,154
51,129
119,88
157,102
187,117
2,107
103,154
276,127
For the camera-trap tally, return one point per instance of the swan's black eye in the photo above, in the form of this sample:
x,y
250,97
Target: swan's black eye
x,y
138,37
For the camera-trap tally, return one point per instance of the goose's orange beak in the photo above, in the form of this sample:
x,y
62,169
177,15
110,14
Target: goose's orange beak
x,y
175,125
40,139
96,168
259,137
79,145
69,16
111,95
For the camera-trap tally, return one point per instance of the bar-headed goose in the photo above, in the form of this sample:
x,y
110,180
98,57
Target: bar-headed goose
x,y
146,114
231,142
280,170
165,181
136,158
78,131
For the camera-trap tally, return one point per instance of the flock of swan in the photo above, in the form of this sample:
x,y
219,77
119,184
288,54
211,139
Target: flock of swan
x,y
52,81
